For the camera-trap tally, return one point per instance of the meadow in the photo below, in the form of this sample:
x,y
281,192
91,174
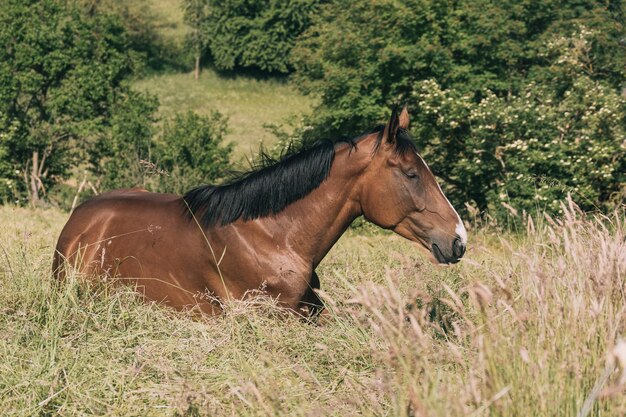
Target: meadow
x,y
527,324
250,103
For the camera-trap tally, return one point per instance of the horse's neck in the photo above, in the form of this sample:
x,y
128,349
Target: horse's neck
x,y
313,224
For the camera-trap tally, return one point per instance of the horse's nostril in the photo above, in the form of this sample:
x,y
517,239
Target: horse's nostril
x,y
447,257
458,248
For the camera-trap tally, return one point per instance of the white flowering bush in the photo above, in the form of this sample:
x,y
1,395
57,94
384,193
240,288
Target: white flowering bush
x,y
529,151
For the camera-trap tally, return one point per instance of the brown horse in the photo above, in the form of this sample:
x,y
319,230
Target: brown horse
x,y
268,229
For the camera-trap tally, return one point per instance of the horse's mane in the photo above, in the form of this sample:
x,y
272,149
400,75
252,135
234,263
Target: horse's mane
x,y
270,186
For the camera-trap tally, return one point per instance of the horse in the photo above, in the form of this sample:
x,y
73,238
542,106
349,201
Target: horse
x,y
268,229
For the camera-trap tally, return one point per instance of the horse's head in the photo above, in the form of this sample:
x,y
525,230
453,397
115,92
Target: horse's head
x,y
401,194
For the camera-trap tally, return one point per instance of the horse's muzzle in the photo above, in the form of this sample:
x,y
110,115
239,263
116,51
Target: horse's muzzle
x,y
449,257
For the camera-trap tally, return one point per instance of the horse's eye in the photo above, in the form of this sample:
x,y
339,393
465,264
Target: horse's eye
x,y
411,174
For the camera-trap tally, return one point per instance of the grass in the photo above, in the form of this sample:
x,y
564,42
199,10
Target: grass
x,y
250,103
526,325
168,17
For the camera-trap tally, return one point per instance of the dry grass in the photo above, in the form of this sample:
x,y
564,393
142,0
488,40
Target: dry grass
x,y
526,325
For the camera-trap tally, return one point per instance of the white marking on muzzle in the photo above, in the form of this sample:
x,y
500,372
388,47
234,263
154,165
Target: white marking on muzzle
x,y
460,227
460,230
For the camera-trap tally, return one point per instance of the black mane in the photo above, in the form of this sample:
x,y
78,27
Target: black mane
x,y
268,189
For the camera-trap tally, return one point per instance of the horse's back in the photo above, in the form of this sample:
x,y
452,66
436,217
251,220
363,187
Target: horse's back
x,y
129,195
111,215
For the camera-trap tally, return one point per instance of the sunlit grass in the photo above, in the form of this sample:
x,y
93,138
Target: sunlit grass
x,y
170,19
525,325
248,102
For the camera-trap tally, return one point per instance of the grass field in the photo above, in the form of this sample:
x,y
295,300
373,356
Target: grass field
x,y
249,103
168,17
525,325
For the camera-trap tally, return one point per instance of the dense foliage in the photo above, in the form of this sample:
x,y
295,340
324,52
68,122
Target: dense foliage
x,y
143,31
174,157
513,102
61,75
529,151
66,104
190,152
252,33
121,156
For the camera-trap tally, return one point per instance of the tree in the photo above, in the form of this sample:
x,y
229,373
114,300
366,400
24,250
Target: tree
x,y
195,15
61,74
513,102
254,33
361,56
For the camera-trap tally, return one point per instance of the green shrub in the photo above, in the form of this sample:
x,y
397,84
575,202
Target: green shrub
x,y
61,71
527,151
530,150
185,152
121,157
8,182
191,152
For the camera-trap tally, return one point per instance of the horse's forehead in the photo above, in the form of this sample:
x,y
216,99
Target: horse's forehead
x,y
420,160
422,163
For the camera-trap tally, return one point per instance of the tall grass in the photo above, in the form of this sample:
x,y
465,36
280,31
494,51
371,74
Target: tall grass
x,y
526,332
525,325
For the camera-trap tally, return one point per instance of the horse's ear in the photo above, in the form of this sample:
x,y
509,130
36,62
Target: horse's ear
x,y
391,130
404,117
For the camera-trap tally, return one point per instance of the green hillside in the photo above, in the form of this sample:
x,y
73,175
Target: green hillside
x,y
249,103
170,17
